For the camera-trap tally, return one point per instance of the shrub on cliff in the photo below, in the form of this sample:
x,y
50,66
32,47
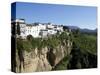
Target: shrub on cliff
x,y
29,37
32,43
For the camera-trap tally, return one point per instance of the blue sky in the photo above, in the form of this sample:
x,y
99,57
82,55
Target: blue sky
x,y
81,16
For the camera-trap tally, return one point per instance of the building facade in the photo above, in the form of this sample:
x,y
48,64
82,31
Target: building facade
x,y
36,29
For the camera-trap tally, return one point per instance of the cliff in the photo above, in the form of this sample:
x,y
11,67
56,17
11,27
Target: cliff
x,y
44,59
58,52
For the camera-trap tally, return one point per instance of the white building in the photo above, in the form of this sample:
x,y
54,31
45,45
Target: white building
x,y
43,33
22,25
36,29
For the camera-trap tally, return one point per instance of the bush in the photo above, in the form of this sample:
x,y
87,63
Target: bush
x,y
53,42
23,45
29,37
32,43
27,45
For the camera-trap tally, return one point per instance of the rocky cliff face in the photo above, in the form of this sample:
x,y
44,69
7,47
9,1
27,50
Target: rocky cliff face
x,y
41,60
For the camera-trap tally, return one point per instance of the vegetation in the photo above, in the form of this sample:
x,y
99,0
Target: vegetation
x,y
32,43
81,60
87,43
18,29
62,65
83,54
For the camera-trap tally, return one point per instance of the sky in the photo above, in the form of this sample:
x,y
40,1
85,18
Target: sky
x,y
70,15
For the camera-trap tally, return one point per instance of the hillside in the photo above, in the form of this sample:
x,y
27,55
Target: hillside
x,y
83,53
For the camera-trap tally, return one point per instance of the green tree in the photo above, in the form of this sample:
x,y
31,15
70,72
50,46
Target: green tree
x,y
29,37
18,28
77,31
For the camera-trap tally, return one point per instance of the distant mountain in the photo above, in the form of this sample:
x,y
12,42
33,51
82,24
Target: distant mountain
x,y
89,31
73,27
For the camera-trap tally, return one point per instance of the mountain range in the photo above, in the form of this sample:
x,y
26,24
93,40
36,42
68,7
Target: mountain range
x,y
85,30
